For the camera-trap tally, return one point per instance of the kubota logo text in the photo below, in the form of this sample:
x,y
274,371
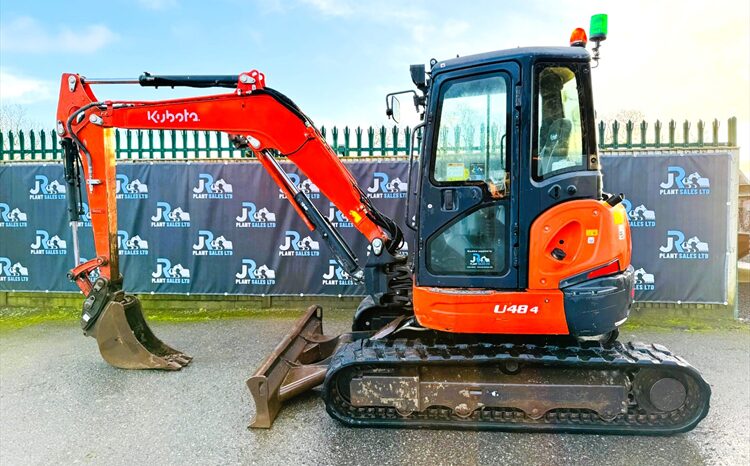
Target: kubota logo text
x,y
161,116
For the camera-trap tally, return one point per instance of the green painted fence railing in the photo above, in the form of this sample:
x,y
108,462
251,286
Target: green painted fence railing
x,y
43,145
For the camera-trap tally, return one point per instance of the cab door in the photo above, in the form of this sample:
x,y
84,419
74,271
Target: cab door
x,y
467,217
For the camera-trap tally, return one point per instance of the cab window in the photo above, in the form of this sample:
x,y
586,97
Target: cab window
x,y
471,145
559,138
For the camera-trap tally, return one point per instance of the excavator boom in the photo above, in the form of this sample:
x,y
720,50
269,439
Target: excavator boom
x,y
259,120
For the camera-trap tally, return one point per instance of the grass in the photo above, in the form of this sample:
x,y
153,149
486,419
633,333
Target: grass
x,y
651,319
16,318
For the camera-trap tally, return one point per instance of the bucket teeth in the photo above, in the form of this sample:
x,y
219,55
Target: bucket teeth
x,y
126,341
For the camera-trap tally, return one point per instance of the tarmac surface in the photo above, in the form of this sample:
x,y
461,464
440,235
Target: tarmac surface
x,y
61,403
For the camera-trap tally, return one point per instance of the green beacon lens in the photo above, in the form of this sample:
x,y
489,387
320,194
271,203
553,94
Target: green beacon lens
x,y
598,29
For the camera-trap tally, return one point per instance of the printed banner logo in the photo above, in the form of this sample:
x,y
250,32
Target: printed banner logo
x,y
85,217
250,274
337,218
135,246
294,246
678,248
10,272
45,190
639,216
166,217
12,218
644,281
307,187
209,189
679,184
479,259
251,217
43,244
208,246
167,273
384,187
127,189
336,275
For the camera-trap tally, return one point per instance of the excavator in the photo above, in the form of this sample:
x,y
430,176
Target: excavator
x,y
504,314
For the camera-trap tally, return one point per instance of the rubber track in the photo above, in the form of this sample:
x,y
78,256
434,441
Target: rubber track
x,y
363,355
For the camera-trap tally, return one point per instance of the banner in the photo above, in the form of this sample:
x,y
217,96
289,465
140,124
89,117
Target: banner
x,y
678,207
226,228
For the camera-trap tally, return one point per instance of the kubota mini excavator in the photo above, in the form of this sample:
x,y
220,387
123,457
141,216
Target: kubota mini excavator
x,y
506,314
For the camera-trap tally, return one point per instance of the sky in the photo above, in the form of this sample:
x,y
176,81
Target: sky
x,y
337,59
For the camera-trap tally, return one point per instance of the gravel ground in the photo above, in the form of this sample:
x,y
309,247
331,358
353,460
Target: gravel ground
x,y
743,292
60,403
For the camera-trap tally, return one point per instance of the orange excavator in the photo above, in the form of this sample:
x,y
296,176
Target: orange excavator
x,y
506,313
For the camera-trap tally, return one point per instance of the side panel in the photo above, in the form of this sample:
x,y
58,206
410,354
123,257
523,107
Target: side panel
x,y
531,312
574,237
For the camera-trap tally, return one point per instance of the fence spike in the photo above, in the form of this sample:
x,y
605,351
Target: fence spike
x,y
716,132
629,126
615,134
732,132
672,127
657,134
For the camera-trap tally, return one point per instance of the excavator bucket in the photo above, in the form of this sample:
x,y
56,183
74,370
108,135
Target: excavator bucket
x,y
126,341
297,364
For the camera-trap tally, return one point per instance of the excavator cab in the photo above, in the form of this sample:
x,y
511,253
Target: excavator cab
x,y
510,139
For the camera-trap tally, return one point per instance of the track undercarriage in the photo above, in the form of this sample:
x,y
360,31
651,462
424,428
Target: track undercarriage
x,y
436,380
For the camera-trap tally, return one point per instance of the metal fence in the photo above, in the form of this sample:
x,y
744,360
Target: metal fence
x,y
384,141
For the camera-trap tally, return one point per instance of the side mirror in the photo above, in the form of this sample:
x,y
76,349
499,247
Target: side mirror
x,y
393,108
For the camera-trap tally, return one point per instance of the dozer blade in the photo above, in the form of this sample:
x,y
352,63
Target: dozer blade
x,y
297,364
126,341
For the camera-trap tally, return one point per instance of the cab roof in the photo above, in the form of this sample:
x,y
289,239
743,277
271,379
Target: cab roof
x,y
520,54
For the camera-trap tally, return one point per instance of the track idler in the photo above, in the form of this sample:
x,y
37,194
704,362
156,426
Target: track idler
x,y
125,340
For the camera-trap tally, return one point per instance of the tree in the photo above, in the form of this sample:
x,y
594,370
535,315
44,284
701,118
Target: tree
x,y
13,118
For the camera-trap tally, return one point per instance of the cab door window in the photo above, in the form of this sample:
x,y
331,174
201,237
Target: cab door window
x,y
471,145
